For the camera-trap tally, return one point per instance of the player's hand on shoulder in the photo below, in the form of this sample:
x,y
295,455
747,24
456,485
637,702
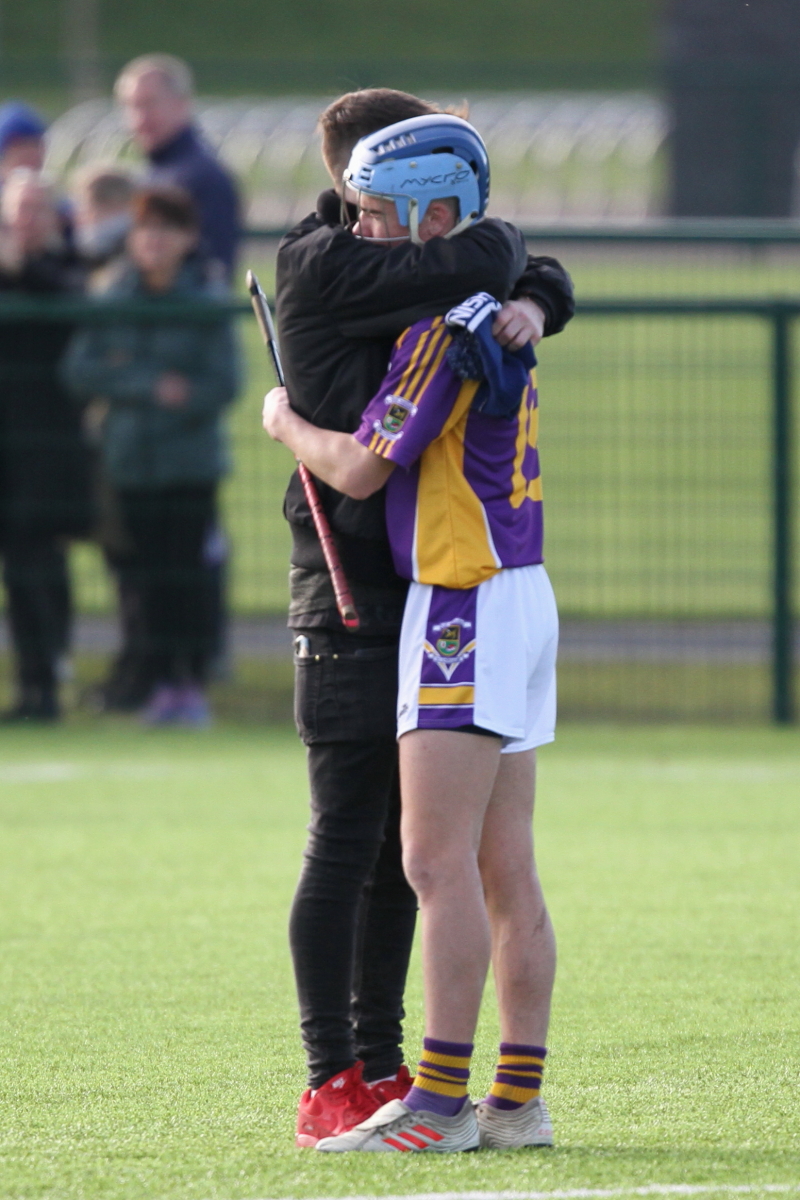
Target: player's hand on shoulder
x,y
276,405
518,322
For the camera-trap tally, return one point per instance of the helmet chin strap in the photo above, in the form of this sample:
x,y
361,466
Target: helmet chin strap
x,y
468,220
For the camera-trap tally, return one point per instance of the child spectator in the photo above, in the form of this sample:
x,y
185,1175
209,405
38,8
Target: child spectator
x,y
44,480
103,214
166,383
103,199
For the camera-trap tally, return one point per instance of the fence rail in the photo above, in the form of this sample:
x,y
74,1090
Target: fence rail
x,y
711,231
778,314
766,342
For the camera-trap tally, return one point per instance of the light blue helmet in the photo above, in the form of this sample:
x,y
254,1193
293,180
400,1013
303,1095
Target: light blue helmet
x,y
434,157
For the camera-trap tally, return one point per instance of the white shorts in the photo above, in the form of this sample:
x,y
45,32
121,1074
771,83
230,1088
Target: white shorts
x,y
484,656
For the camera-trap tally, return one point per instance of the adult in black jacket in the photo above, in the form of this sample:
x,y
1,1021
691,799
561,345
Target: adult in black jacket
x,y
44,478
341,302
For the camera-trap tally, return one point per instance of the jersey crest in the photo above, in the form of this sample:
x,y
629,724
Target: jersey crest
x,y
398,410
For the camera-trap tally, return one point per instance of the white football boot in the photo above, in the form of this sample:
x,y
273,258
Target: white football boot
x,y
509,1129
396,1127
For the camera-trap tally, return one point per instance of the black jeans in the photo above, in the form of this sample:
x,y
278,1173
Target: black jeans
x,y
168,528
353,917
39,610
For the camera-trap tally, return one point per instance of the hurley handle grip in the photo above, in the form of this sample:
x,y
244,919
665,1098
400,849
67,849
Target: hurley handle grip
x,y
344,597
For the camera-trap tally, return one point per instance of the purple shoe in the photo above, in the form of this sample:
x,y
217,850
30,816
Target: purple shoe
x,y
163,706
192,708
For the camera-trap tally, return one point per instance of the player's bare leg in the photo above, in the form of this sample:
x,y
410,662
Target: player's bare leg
x,y
447,779
523,959
523,943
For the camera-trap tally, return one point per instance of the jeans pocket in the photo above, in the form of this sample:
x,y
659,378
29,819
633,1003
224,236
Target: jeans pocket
x,y
347,697
307,681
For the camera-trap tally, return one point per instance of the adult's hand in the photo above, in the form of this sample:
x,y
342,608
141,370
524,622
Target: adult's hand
x,y
172,390
518,322
276,407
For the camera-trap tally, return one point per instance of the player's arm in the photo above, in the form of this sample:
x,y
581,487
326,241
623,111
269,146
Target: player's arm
x,y
335,458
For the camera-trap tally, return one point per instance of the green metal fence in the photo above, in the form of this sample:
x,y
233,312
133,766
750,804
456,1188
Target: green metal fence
x,y
668,463
772,428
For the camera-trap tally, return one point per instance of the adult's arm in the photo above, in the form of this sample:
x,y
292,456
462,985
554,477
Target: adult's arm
x,y
92,367
215,377
546,282
217,201
542,279
46,274
390,288
219,208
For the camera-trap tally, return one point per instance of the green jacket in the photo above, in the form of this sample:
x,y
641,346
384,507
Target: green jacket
x,y
146,445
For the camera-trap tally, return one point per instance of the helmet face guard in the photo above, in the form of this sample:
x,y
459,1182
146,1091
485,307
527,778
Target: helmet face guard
x,y
435,157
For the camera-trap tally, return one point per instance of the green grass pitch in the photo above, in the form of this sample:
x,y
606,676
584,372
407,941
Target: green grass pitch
x,y
148,1030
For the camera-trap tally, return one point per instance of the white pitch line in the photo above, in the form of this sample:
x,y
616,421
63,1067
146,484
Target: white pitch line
x,y
652,1189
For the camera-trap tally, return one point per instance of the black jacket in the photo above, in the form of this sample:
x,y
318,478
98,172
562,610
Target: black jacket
x,y
341,303
44,468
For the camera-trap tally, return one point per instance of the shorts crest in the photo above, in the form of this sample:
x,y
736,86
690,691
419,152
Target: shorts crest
x,y
449,641
448,651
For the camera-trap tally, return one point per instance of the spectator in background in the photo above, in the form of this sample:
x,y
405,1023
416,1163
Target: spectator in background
x,y
22,133
44,477
156,92
103,199
22,144
166,383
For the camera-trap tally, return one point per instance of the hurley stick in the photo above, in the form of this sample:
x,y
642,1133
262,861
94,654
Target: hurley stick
x,y
344,597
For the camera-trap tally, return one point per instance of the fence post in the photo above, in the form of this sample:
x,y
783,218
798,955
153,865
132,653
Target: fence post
x,y
782,623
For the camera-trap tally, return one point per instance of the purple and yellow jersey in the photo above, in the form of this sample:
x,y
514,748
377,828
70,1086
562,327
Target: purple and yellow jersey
x,y
469,501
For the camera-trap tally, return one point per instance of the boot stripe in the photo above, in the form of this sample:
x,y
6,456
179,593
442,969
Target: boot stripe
x,y
431,1133
390,1141
415,1141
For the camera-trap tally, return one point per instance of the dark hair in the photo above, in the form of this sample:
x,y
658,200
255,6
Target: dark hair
x,y
356,114
166,205
107,186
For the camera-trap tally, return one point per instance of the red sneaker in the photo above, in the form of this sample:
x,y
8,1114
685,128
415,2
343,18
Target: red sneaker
x,y
342,1102
385,1090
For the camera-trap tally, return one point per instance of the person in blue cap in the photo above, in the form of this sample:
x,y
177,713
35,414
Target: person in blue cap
x,y
22,133
44,476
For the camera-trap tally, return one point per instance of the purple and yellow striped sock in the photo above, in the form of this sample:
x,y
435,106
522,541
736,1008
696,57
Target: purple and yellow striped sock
x,y
518,1077
440,1084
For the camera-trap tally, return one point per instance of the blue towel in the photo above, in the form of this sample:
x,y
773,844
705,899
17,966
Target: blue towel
x,y
475,354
